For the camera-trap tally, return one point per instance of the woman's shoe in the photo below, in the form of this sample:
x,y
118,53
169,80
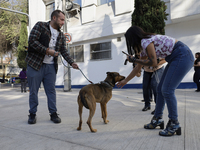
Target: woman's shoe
x,y
154,123
171,128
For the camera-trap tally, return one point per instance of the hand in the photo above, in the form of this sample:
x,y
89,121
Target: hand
x,y
52,52
131,58
120,84
74,65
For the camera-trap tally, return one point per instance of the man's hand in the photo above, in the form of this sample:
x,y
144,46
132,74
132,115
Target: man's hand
x,y
52,52
74,65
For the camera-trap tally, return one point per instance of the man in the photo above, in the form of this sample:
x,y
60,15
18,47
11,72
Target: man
x,y
45,42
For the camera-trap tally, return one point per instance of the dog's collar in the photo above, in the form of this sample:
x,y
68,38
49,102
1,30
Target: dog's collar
x,y
107,83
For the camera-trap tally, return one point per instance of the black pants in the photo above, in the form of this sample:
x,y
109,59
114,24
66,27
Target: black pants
x,y
23,85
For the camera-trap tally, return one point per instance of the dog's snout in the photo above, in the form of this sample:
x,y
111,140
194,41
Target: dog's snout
x,y
122,78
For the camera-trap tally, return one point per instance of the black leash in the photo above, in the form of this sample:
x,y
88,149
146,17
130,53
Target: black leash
x,y
78,69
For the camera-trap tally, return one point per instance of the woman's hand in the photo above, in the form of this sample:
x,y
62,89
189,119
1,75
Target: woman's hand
x,y
120,84
131,58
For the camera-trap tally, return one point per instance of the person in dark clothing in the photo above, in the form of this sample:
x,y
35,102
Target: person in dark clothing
x,y
151,79
196,77
23,80
46,41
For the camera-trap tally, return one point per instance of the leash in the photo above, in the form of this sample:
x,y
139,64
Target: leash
x,y
85,76
78,69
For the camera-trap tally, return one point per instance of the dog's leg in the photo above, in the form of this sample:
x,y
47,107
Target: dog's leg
x,y
91,114
80,110
104,113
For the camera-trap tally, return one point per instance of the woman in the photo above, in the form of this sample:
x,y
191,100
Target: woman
x,y
196,77
180,60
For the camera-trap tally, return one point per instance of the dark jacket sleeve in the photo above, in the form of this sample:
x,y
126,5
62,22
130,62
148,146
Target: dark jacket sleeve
x,y
36,37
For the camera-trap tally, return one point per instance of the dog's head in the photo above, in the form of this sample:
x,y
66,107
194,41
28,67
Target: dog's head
x,y
114,77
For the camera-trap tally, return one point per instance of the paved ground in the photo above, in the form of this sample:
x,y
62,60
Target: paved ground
x,y
124,131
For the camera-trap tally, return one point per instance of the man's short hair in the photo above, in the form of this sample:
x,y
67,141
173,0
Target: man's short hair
x,y
56,13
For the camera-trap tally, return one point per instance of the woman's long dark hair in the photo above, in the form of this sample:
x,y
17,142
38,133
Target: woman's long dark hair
x,y
133,36
198,58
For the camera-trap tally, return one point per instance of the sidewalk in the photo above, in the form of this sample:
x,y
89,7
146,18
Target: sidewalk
x,y
124,131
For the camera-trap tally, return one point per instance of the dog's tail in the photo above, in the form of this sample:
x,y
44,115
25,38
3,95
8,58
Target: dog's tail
x,y
83,100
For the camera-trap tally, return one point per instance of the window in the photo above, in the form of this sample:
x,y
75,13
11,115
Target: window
x,y
100,51
77,53
101,2
49,9
77,1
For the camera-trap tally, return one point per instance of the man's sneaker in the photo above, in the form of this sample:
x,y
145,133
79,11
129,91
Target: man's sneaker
x,y
55,118
32,118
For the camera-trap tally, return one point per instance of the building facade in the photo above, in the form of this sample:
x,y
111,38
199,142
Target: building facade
x,y
97,30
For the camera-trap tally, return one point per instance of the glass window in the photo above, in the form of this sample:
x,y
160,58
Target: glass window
x,y
77,53
100,51
101,2
77,1
49,9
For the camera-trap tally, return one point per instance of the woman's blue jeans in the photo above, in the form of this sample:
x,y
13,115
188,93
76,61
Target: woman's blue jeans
x,y
179,63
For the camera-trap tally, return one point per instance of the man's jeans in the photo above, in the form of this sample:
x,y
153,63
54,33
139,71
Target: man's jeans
x,y
179,64
47,75
150,82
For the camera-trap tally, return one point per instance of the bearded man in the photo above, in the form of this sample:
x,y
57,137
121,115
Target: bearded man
x,y
46,41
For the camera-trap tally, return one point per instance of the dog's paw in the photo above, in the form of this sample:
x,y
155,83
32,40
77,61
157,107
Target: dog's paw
x,y
78,128
94,130
106,121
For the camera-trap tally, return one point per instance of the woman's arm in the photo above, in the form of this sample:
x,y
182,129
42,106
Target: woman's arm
x,y
130,76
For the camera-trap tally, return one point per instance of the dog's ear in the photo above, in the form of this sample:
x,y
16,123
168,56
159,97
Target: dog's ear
x,y
110,74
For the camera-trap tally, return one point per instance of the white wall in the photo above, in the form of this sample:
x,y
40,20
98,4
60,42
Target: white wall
x,y
184,8
96,70
189,33
37,10
106,26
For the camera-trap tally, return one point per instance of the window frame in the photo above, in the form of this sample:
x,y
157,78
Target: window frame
x,y
100,51
74,53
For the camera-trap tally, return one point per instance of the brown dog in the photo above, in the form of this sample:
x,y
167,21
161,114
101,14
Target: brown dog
x,y
100,93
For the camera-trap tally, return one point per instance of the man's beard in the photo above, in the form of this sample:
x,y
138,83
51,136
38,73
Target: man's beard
x,y
57,26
